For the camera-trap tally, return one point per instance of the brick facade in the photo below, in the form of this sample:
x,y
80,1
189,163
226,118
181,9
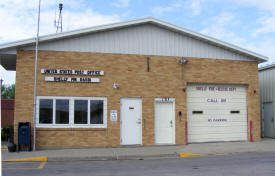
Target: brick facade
x,y
130,72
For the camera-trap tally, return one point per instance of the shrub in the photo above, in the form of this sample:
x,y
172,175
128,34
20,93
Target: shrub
x,y
7,133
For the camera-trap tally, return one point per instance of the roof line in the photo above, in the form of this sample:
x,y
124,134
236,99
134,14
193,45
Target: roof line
x,y
213,40
136,22
269,66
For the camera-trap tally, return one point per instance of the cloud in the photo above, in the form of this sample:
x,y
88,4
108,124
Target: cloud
x,y
195,5
20,23
267,25
8,77
268,5
265,47
121,3
158,11
219,27
266,21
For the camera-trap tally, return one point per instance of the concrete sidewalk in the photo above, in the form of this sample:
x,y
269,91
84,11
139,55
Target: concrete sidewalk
x,y
266,145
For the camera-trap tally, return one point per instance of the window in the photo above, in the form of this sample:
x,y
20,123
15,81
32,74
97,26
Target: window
x,y
62,111
235,112
96,112
80,111
46,111
68,112
197,112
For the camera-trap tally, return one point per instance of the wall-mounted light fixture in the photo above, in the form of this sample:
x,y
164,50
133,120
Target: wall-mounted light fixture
x,y
183,61
115,86
255,91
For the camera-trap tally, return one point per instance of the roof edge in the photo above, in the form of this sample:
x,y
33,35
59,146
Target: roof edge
x,y
153,20
266,67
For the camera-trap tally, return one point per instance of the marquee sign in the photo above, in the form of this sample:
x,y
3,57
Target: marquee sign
x,y
69,79
72,72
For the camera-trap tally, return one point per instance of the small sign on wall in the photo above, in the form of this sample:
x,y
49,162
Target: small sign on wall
x,y
113,115
69,79
73,72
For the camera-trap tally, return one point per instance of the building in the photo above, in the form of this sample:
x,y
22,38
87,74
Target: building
x,y
7,112
140,82
267,92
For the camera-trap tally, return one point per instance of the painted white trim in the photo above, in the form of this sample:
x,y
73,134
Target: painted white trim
x,y
171,100
151,20
71,112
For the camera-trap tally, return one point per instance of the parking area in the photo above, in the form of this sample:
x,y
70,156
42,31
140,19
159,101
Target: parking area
x,y
252,164
23,165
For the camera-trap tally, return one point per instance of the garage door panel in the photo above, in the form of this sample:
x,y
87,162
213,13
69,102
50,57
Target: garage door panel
x,y
242,134
212,138
206,93
217,88
200,124
219,115
206,117
236,105
221,129
214,111
217,99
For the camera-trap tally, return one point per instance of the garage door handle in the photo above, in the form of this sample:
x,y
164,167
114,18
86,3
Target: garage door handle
x,y
272,120
138,122
171,123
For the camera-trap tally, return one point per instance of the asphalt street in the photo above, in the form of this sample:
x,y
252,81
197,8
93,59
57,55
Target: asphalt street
x,y
252,164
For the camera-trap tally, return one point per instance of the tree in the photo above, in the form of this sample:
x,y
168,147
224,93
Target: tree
x,y
8,91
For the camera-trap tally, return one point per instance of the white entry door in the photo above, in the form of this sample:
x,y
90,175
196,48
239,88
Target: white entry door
x,y
130,121
164,122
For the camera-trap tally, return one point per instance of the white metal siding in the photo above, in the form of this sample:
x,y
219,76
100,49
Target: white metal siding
x,y
216,122
146,39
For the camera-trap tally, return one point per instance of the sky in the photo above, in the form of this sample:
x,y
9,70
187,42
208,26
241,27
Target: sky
x,y
249,24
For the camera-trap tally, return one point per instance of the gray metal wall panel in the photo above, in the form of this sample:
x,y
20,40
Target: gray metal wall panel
x,y
267,89
267,85
143,39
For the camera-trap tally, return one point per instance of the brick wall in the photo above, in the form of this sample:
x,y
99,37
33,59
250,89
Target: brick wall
x,y
130,73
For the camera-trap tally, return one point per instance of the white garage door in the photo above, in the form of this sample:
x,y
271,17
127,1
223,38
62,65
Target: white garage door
x,y
216,113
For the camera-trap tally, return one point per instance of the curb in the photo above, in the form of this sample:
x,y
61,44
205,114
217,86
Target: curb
x,y
182,155
36,159
110,158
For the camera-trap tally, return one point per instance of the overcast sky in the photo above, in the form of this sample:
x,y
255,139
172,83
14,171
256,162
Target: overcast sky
x,y
249,24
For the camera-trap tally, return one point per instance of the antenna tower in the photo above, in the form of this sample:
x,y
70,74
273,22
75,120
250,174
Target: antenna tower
x,y
58,24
